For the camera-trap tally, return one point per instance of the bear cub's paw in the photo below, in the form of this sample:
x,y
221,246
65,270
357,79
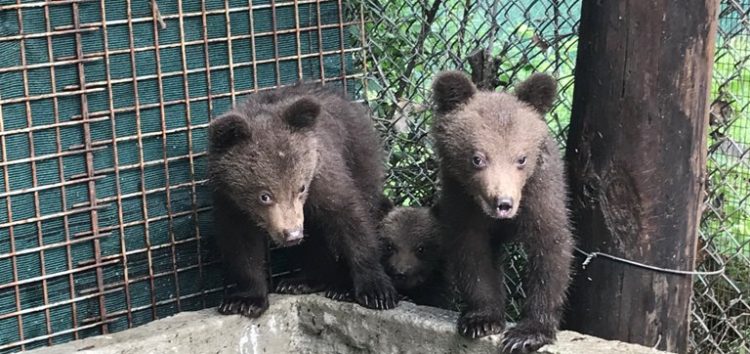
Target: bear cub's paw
x,y
476,324
527,337
340,293
243,304
375,293
297,286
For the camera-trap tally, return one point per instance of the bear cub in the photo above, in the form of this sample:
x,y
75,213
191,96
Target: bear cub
x,y
413,256
502,181
299,165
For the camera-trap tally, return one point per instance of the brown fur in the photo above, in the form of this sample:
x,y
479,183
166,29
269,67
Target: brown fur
x,y
292,162
503,181
413,256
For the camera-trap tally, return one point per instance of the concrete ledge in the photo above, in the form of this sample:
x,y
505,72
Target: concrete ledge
x,y
314,324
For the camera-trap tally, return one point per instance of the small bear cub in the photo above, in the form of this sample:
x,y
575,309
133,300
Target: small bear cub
x,y
299,164
413,256
502,181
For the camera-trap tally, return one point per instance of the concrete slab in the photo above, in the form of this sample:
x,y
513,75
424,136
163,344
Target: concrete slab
x,y
314,324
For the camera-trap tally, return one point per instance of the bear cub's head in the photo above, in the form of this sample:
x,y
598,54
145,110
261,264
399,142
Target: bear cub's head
x,y
411,244
491,142
263,156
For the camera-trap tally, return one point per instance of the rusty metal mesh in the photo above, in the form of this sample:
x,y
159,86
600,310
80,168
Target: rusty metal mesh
x,y
104,215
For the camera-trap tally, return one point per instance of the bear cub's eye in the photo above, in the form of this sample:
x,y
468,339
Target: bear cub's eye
x,y
302,189
389,248
266,199
420,249
521,161
478,160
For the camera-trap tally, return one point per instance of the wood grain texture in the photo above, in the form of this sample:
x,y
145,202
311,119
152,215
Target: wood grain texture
x,y
636,153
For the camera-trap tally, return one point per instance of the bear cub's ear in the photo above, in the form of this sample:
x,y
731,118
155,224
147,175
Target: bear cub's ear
x,y
539,91
302,114
227,130
451,89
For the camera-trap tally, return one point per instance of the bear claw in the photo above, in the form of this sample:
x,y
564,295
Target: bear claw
x,y
339,294
248,306
296,287
377,296
476,325
525,338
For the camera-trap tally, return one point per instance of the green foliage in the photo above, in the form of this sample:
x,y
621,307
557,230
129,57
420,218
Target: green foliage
x,y
727,222
406,50
725,227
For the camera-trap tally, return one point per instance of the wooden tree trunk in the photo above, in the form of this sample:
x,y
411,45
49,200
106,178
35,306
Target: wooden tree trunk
x,y
636,153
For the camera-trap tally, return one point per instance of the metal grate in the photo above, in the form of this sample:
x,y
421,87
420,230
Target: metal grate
x,y
104,218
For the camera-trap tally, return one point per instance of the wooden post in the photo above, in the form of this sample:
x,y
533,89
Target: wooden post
x,y
636,153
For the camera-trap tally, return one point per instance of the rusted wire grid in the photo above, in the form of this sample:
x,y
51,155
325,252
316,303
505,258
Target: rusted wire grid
x,y
161,256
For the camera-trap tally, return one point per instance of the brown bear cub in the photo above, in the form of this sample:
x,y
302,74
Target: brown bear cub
x,y
413,256
299,163
502,181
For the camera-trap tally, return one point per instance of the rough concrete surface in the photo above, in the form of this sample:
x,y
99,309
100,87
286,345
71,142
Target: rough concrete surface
x,y
314,324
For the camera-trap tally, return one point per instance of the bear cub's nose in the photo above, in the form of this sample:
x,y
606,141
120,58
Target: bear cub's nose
x,y
293,235
504,204
399,276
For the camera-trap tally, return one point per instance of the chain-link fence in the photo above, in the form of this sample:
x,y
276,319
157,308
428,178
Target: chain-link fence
x,y
410,40
721,305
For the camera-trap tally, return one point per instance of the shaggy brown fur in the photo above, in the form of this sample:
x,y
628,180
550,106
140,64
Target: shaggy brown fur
x,y
296,162
503,181
413,256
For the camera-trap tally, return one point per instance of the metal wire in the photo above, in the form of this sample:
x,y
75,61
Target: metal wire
x,y
591,255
